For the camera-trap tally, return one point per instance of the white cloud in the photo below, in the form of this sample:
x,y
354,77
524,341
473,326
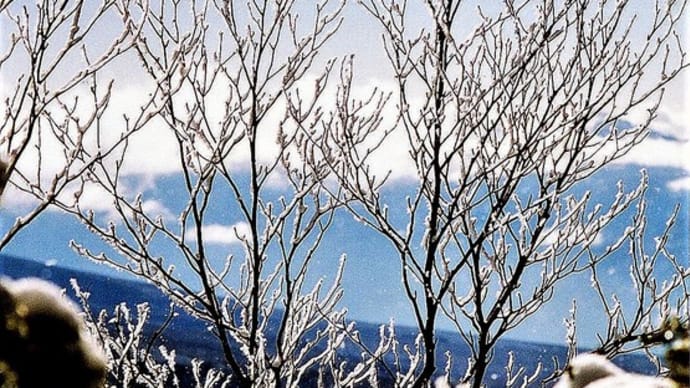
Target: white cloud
x,y
682,184
552,238
94,198
665,153
394,157
672,150
671,118
222,234
659,152
156,209
154,149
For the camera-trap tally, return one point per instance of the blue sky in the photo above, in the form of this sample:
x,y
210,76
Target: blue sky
x,y
373,291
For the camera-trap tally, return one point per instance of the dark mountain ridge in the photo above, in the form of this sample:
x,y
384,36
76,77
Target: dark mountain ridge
x,y
191,339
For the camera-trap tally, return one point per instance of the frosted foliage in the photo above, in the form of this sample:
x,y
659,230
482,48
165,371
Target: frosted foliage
x,y
132,360
500,114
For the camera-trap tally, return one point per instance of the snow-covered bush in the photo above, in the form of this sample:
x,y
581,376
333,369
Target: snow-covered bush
x,y
43,341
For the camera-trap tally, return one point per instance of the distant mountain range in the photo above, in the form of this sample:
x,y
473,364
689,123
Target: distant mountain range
x,y
190,338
